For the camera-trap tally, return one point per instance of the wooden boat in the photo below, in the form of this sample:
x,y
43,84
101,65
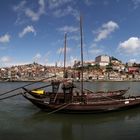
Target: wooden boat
x,y
99,95
69,102
81,102
83,105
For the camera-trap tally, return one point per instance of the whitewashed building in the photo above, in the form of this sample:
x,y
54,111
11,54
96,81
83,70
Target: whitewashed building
x,y
102,60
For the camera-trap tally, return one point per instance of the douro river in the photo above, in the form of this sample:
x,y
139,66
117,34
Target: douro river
x,y
21,120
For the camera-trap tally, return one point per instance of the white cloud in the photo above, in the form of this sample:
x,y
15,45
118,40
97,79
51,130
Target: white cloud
x,y
94,50
67,11
72,60
69,61
37,57
57,3
49,63
130,46
16,63
23,11
68,29
58,8
136,3
5,38
19,6
132,60
20,10
13,63
74,37
28,29
46,59
5,59
106,30
36,15
43,59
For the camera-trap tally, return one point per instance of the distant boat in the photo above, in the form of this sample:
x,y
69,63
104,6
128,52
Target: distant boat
x,y
71,101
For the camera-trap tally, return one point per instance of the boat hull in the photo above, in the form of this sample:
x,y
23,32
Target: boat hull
x,y
82,108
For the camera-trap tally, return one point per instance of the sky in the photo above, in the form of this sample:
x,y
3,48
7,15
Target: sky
x,y
33,30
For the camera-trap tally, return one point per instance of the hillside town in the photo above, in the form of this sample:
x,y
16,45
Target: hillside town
x,y
103,68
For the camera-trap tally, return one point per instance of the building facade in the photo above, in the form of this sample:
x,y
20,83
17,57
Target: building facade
x,y
102,60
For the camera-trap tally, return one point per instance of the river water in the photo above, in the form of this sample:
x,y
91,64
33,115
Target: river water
x,y
21,120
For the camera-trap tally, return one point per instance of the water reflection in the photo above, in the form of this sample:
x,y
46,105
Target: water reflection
x,y
117,125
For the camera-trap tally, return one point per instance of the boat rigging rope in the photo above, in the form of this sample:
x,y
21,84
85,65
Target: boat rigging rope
x,y
58,61
100,95
103,95
26,85
60,108
10,96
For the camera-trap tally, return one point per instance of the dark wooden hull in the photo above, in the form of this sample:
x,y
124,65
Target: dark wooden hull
x,y
91,107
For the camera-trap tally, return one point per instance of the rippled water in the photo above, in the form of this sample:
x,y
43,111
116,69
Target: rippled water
x,y
20,120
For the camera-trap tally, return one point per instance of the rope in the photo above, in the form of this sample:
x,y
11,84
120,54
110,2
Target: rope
x,y
103,95
55,97
41,87
26,85
60,108
100,95
10,96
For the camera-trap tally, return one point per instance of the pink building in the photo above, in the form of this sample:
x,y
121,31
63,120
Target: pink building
x,y
133,69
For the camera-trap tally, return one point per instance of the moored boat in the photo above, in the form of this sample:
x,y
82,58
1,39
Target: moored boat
x,y
71,101
85,106
99,95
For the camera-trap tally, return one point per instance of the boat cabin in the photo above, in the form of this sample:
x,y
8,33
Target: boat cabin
x,y
61,93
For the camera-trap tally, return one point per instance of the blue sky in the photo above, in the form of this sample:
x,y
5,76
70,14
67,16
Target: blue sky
x,y
33,30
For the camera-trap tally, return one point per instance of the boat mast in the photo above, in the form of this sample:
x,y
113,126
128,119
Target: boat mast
x,y
65,44
81,34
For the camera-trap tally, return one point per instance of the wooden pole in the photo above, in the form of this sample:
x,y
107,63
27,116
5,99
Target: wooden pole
x,y
81,34
65,44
